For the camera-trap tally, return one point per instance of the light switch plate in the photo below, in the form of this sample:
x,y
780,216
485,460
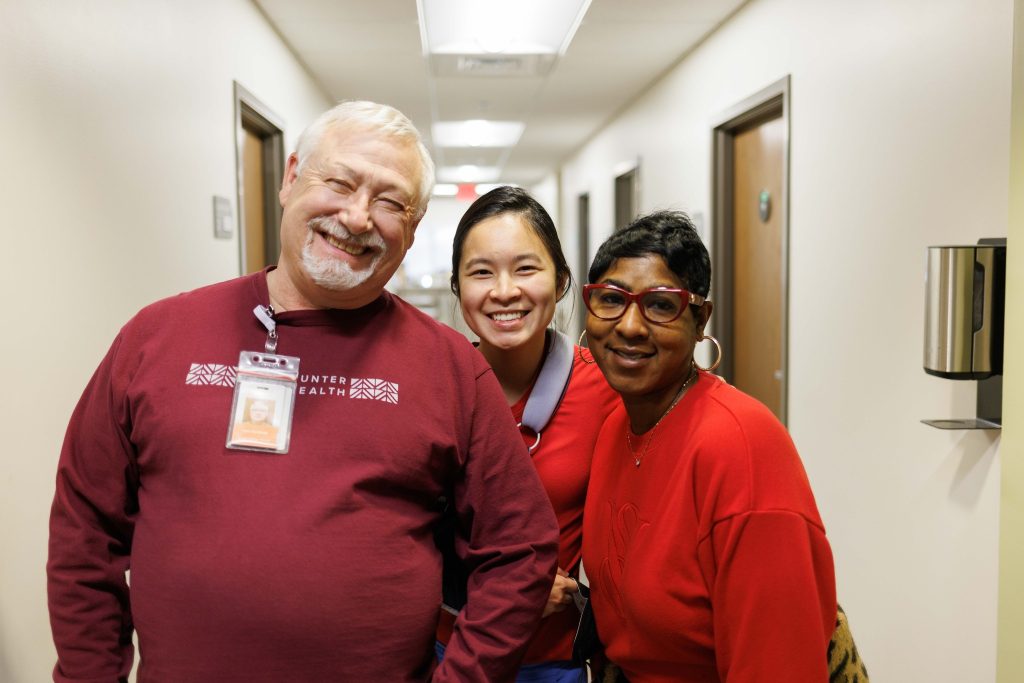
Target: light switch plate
x,y
223,226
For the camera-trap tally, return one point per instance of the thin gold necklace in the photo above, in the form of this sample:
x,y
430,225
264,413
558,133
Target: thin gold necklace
x,y
649,436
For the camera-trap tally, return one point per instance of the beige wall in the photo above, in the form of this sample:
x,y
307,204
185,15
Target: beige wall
x,y
900,122
1010,665
116,128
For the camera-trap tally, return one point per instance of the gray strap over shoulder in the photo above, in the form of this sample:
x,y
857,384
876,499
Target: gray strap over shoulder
x,y
551,384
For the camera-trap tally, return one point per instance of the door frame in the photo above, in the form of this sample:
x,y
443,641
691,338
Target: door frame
x,y
582,252
255,116
769,103
626,174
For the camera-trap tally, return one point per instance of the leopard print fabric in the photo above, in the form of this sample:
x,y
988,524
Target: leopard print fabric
x,y
844,662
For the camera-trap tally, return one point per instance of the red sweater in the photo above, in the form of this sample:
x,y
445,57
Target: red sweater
x,y
563,462
709,562
315,565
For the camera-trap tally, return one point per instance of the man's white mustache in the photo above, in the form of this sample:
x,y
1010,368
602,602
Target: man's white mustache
x,y
338,231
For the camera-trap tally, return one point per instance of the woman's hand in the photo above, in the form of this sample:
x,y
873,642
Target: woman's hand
x,y
562,591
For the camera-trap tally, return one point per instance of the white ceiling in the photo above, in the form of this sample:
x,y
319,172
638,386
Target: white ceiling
x,y
359,49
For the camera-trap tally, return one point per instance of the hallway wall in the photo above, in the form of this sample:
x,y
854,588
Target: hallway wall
x,y
117,129
1010,666
900,123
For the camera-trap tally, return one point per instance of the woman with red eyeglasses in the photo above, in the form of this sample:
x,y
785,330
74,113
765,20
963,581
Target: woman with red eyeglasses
x,y
706,555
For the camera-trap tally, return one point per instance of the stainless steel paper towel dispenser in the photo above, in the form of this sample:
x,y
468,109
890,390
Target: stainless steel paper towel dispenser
x,y
963,323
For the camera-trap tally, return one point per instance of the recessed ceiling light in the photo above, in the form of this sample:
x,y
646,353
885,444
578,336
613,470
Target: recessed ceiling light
x,y
469,174
523,27
476,133
445,189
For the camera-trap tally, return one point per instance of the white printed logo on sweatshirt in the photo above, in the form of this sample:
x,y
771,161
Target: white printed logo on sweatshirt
x,y
211,374
376,389
373,389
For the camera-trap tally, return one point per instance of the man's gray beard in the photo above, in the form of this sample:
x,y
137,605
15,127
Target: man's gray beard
x,y
334,274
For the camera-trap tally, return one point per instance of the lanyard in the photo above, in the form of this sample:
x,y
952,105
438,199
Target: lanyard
x,y
265,314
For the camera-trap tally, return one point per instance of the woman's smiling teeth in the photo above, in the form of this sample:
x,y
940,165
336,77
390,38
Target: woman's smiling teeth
x,y
631,354
354,249
507,317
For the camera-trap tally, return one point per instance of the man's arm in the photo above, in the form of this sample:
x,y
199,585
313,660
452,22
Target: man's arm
x,y
511,549
91,525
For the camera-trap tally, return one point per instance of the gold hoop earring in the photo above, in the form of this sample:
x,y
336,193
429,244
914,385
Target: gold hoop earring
x,y
579,349
718,359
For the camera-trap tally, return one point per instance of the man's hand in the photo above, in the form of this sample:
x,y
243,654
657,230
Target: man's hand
x,y
562,591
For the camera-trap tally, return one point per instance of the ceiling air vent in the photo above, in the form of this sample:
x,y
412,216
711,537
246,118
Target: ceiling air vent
x,y
502,66
498,66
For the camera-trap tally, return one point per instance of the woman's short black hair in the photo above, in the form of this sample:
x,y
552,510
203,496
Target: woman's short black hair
x,y
515,200
669,234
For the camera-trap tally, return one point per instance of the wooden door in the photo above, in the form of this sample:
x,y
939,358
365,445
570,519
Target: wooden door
x,y
758,288
254,211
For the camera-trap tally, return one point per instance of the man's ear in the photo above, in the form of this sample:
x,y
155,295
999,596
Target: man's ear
x,y
291,174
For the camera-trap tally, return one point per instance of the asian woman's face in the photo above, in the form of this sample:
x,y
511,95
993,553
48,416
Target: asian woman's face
x,y
507,282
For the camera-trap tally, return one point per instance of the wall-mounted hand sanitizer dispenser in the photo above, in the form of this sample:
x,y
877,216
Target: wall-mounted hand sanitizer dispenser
x,y
963,336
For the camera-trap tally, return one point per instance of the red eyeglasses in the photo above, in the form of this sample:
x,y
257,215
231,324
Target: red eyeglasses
x,y
657,305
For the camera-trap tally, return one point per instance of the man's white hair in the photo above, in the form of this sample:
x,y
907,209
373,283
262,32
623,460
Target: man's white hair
x,y
380,117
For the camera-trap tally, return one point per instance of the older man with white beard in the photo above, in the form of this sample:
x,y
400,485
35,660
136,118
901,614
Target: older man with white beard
x,y
307,555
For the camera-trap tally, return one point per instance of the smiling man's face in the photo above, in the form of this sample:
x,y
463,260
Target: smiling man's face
x,y
349,216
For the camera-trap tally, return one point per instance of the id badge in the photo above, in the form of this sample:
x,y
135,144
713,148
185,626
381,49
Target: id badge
x,y
261,412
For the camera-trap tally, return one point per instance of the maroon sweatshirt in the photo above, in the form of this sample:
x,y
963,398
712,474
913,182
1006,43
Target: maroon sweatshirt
x,y
315,565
